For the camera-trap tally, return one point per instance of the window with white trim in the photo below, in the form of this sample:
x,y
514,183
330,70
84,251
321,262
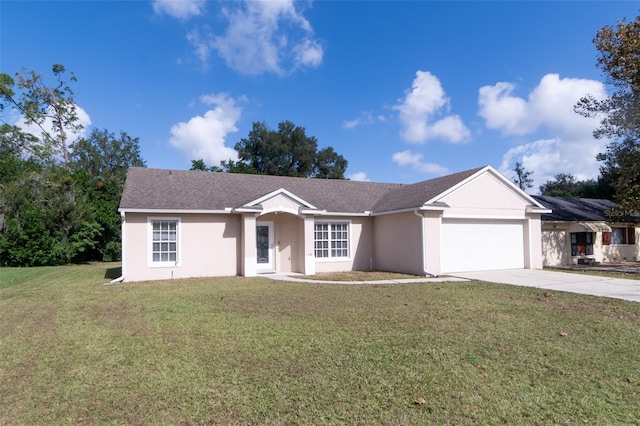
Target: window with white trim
x,y
331,240
164,242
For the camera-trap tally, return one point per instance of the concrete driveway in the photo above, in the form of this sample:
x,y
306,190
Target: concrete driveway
x,y
562,281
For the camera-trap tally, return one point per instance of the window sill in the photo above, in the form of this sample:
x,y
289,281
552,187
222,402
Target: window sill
x,y
332,259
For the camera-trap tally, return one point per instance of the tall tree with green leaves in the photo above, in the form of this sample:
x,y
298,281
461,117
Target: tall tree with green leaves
x,y
287,151
40,103
99,164
619,60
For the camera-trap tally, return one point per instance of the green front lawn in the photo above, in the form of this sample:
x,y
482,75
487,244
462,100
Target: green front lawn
x,y
256,351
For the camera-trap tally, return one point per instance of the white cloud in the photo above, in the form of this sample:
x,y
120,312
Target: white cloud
x,y
549,105
366,118
548,157
180,9
261,36
562,140
308,53
420,111
204,137
359,176
415,161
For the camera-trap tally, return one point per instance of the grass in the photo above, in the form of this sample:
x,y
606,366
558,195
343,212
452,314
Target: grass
x,y
256,351
599,273
359,276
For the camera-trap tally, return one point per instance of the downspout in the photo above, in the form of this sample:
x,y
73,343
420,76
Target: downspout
x,y
424,257
122,239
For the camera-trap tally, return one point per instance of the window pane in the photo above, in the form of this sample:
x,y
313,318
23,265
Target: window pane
x,y
164,247
618,236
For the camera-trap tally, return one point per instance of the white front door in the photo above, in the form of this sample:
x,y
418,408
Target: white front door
x,y
264,247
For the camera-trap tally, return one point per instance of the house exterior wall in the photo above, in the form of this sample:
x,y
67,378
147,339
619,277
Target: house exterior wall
x,y
556,245
533,242
209,245
361,246
398,243
486,197
616,252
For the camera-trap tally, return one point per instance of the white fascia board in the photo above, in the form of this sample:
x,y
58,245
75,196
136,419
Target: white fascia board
x,y
283,192
534,209
412,209
174,211
326,213
433,208
482,217
312,211
409,210
246,210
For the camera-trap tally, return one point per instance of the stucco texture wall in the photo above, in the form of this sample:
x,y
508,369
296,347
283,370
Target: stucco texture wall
x,y
209,245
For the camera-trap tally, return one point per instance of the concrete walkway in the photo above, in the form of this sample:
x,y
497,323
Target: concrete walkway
x,y
616,288
549,280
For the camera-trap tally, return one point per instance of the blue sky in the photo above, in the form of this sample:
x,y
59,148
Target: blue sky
x,y
405,91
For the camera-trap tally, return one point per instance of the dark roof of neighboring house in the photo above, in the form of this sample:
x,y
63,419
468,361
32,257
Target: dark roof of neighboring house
x,y
576,209
157,189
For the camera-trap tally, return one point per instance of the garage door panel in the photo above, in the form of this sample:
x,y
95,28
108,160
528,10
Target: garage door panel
x,y
468,245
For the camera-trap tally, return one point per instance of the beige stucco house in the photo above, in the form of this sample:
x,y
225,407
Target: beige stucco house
x,y
584,230
178,224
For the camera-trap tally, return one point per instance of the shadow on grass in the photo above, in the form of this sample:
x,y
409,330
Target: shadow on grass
x,y
113,273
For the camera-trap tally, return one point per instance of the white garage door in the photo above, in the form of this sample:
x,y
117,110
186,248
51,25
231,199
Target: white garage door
x,y
474,245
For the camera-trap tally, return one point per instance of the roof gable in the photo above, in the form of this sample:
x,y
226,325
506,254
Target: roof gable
x,y
489,188
281,197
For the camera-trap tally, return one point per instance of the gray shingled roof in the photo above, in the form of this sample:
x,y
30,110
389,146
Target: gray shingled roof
x,y
415,195
157,189
575,209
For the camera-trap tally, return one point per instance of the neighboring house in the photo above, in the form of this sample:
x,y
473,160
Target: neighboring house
x,y
178,224
583,230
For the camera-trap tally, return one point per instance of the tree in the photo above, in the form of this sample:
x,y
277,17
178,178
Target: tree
x,y
286,152
104,155
619,60
100,163
199,165
13,161
38,103
523,177
226,166
329,164
566,185
47,220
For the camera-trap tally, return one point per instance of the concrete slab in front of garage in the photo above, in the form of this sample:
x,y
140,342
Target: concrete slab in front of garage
x,y
616,288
